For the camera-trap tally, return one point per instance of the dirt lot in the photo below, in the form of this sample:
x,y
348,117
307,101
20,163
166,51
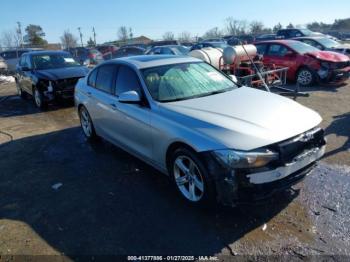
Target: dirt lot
x,y
111,203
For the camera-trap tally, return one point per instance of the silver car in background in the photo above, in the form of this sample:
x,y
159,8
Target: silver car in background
x,y
217,142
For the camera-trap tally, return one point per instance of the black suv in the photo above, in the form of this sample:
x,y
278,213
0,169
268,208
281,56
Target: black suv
x,y
46,75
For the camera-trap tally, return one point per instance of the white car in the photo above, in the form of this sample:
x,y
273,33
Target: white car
x,y
217,142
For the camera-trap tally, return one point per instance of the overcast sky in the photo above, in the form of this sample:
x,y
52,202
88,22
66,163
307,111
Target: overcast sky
x,y
154,17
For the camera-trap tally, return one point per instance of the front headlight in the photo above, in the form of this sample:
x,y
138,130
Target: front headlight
x,y
241,159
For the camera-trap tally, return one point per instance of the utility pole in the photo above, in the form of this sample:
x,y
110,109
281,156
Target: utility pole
x,y
19,34
93,31
81,37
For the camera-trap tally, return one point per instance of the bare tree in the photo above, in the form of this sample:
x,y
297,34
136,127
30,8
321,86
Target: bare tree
x,y
213,33
256,27
277,27
290,26
8,38
235,27
123,33
185,37
168,36
69,40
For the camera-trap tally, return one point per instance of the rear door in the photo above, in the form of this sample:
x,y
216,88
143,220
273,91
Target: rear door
x,y
101,101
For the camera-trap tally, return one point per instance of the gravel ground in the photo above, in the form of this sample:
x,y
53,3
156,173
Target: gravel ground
x,y
107,202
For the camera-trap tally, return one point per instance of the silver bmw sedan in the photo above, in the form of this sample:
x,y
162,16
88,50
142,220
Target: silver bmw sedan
x,y
216,141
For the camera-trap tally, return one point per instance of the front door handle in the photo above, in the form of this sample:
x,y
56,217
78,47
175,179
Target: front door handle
x,y
88,94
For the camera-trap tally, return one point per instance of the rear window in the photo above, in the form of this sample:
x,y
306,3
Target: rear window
x,y
92,78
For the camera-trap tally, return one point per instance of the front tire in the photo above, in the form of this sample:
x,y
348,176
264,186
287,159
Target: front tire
x,y
191,178
86,124
20,92
305,77
39,99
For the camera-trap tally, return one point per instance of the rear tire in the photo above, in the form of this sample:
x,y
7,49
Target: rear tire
x,y
191,178
86,124
305,77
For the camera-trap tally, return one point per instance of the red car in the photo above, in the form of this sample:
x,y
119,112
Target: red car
x,y
306,63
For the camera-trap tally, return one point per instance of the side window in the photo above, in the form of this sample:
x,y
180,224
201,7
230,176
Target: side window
x,y
28,62
166,51
277,50
127,80
261,49
105,78
92,78
22,61
156,51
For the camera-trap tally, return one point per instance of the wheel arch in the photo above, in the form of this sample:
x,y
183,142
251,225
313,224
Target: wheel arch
x,y
172,147
304,67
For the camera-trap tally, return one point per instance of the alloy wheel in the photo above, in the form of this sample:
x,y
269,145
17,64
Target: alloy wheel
x,y
304,77
85,122
37,98
188,178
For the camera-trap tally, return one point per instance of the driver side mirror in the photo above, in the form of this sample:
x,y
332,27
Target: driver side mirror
x,y
290,54
130,97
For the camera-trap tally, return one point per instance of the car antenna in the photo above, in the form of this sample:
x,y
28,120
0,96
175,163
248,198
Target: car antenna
x,y
256,68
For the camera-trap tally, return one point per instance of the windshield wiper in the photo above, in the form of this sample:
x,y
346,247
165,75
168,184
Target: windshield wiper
x,y
199,95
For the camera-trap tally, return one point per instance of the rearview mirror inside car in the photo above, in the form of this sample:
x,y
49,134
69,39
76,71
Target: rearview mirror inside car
x,y
129,97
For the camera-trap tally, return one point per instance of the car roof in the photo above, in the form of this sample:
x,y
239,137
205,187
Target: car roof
x,y
146,61
47,52
282,41
170,46
310,37
22,50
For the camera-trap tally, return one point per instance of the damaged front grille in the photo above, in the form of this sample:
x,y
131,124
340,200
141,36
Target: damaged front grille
x,y
340,65
66,84
291,148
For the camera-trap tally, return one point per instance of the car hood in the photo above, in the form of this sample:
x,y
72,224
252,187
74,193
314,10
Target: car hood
x,y
342,47
329,56
243,119
62,73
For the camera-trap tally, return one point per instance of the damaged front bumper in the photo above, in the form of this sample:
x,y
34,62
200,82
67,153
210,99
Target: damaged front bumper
x,y
329,75
241,187
60,89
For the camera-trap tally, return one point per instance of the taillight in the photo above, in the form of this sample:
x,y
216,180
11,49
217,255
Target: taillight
x,y
92,56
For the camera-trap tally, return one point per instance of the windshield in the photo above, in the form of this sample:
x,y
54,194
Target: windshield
x,y
328,43
306,32
180,50
219,45
302,48
185,81
51,61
